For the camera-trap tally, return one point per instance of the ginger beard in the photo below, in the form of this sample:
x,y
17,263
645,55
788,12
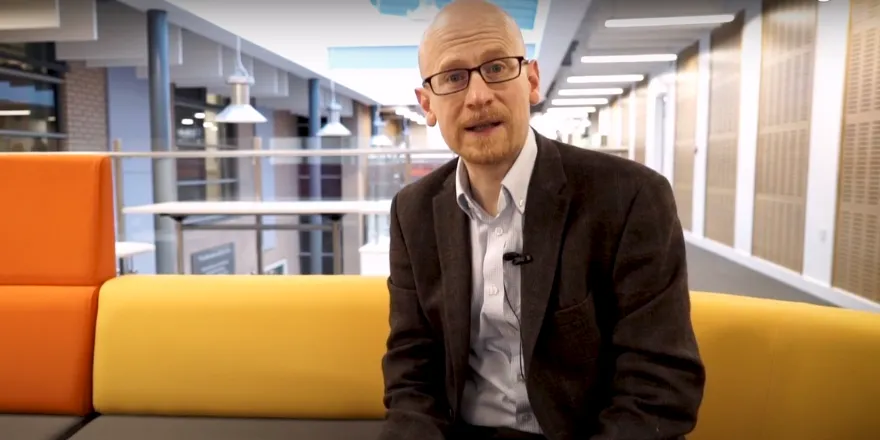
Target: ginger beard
x,y
484,139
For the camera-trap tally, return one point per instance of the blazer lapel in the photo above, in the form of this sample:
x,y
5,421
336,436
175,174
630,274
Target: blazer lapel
x,y
453,243
543,225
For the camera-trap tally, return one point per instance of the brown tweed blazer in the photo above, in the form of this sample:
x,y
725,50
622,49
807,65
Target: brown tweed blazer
x,y
610,352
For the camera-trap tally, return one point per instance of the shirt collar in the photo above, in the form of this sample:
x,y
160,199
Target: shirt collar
x,y
515,182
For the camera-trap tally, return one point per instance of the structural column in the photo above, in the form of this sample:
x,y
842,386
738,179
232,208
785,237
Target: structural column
x,y
164,170
375,121
404,130
316,248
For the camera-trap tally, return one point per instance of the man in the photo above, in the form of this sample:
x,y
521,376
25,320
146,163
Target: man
x,y
538,290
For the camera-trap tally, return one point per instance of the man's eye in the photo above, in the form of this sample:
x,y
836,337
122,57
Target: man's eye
x,y
496,68
454,77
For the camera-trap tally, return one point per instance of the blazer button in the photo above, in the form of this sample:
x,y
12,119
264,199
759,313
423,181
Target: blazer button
x,y
451,413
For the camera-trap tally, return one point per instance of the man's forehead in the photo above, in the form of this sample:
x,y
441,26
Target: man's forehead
x,y
480,20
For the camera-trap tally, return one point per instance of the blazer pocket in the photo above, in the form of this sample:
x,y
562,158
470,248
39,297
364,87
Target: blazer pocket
x,y
574,337
581,313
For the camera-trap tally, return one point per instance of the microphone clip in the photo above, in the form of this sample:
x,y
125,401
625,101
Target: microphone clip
x,y
516,258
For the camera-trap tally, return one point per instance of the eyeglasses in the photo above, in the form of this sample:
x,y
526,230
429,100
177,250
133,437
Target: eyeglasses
x,y
493,72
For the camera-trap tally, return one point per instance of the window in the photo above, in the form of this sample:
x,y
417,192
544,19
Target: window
x,y
204,178
331,189
29,82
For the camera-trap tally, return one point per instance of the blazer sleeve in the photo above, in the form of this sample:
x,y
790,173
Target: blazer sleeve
x,y
659,377
413,365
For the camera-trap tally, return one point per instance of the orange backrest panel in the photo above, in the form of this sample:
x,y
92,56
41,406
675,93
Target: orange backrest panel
x,y
46,349
56,225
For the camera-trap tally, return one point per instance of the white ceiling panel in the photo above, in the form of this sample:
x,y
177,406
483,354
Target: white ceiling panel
x,y
78,21
29,14
122,35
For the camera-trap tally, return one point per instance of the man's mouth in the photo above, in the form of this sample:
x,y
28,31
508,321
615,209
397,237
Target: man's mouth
x,y
483,126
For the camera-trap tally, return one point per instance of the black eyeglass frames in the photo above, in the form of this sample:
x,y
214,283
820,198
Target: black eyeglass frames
x,y
494,71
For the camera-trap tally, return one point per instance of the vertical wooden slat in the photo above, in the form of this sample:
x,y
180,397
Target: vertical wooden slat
x,y
857,241
614,119
686,90
789,34
641,109
723,132
624,107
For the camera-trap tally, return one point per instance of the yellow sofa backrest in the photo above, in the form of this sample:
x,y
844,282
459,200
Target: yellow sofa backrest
x,y
311,347
786,371
248,346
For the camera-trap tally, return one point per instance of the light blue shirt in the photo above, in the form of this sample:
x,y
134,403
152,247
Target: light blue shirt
x,y
495,394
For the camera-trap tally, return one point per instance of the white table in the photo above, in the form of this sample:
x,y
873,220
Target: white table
x,y
128,249
335,210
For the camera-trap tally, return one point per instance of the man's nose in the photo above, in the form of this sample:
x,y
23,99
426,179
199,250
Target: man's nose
x,y
478,93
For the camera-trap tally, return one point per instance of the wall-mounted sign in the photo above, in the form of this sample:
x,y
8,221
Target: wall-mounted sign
x,y
218,260
276,268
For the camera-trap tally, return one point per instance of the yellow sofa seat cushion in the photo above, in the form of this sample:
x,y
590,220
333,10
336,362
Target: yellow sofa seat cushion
x,y
247,346
786,371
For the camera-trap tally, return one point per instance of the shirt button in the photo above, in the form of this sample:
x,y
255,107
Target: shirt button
x,y
499,231
522,203
525,418
493,290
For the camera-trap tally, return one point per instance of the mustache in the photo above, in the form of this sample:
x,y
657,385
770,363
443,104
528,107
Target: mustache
x,y
483,117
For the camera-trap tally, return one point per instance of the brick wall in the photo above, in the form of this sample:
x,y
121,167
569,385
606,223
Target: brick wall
x,y
84,108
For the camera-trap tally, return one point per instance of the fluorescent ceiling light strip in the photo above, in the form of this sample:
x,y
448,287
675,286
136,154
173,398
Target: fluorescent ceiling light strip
x,y
646,58
580,101
15,112
604,79
693,20
591,92
566,110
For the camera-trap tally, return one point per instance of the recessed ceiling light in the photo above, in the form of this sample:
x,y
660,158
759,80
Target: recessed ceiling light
x,y
590,92
646,58
693,20
592,79
15,112
580,101
571,109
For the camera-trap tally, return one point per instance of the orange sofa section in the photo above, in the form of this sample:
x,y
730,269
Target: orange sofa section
x,y
57,224
47,345
57,248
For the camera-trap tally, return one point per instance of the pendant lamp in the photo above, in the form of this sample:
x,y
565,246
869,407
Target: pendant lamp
x,y
334,127
240,110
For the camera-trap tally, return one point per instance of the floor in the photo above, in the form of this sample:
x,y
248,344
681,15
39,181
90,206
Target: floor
x,y
709,272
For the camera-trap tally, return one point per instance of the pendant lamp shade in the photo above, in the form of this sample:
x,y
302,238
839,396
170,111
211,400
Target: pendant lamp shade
x,y
381,140
240,110
334,127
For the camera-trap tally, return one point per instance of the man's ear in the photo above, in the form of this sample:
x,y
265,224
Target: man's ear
x,y
533,73
424,98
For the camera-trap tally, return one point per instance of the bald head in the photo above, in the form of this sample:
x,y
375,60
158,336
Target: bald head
x,y
480,85
464,19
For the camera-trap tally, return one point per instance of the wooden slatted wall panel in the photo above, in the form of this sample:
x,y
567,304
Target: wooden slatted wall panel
x,y
788,54
640,106
624,107
614,120
686,90
723,132
857,243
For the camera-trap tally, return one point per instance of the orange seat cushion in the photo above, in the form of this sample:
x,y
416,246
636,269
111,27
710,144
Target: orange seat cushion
x,y
57,223
47,346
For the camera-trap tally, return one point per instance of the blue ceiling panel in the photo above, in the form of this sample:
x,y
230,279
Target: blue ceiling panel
x,y
523,11
383,57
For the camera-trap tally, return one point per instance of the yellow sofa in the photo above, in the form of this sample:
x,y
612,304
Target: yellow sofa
x,y
298,357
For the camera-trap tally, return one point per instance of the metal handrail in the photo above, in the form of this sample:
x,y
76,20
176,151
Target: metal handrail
x,y
245,153
255,152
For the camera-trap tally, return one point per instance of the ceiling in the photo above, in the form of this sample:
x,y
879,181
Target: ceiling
x,y
594,38
523,11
